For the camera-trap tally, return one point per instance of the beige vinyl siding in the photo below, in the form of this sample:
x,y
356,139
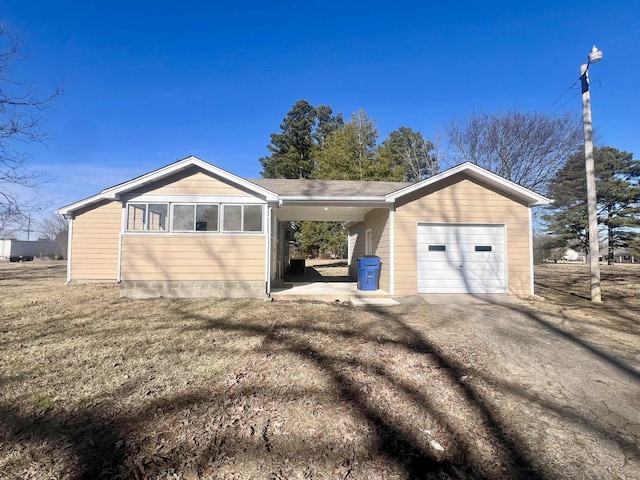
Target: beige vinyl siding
x,y
193,257
95,238
461,200
356,247
378,221
192,181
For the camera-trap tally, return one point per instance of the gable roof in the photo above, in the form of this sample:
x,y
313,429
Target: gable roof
x,y
486,177
113,193
302,190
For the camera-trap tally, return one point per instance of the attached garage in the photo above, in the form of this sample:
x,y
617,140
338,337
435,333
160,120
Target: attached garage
x,y
461,258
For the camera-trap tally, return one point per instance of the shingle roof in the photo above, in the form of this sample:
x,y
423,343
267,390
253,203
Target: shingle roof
x,y
326,188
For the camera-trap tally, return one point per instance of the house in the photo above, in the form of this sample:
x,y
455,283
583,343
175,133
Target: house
x,y
191,229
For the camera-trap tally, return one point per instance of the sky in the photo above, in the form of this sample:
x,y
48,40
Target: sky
x,y
146,83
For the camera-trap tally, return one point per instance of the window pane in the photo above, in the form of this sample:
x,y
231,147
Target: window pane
x,y
207,218
183,218
136,216
232,218
252,218
158,217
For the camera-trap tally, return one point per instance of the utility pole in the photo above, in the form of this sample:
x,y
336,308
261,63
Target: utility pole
x,y
592,199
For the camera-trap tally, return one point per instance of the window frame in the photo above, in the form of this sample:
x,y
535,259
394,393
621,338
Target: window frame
x,y
169,224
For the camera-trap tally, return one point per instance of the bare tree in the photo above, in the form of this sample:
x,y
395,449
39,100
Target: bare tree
x,y
20,115
526,148
55,228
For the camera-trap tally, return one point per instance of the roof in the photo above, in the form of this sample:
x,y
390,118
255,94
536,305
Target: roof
x,y
330,188
303,192
114,192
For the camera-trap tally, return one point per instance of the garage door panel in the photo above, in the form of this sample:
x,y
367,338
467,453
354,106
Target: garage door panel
x,y
465,239
464,266
446,265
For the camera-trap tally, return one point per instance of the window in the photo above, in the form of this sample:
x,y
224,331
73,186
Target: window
x,y
207,218
198,218
150,217
368,242
242,218
183,218
437,248
252,221
191,217
483,248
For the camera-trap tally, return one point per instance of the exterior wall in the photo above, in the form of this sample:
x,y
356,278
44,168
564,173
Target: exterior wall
x,y
378,221
355,247
95,240
193,257
462,200
192,181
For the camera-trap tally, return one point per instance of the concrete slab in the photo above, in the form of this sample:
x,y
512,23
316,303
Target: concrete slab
x,y
373,302
324,291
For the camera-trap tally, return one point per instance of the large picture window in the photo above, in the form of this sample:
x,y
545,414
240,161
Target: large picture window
x,y
154,217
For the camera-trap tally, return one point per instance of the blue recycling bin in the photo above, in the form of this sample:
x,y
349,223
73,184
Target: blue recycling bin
x,y
368,272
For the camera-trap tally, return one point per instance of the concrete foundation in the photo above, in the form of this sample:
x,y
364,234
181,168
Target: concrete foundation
x,y
192,289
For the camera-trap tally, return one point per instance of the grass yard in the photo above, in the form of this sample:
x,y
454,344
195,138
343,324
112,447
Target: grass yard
x,y
95,386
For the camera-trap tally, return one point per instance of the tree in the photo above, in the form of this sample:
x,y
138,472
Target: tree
x,y
618,198
293,150
56,228
526,148
408,150
20,117
316,237
351,153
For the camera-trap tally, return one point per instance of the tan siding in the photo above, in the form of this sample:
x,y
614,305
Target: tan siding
x,y
94,249
356,247
196,257
377,221
192,181
461,201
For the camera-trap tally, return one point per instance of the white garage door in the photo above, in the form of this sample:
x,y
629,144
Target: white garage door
x,y
454,258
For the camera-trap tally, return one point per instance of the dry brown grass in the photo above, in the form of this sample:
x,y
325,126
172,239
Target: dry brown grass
x,y
95,386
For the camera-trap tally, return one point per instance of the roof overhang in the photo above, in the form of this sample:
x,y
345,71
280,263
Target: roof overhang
x,y
337,209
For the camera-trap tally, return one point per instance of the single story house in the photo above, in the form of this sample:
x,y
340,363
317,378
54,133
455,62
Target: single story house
x,y
192,229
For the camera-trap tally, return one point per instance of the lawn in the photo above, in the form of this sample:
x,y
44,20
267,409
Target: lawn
x,y
96,386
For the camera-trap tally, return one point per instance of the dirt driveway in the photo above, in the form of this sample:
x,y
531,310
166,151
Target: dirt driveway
x,y
564,389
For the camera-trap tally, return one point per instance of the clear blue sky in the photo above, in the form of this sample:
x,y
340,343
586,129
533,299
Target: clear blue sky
x,y
149,82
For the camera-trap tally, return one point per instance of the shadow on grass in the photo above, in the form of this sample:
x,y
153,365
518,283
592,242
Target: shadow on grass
x,y
392,440
92,437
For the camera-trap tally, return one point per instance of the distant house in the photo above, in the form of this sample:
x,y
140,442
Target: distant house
x,y
193,229
623,255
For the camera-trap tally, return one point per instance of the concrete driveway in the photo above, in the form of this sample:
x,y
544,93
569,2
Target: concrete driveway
x,y
565,391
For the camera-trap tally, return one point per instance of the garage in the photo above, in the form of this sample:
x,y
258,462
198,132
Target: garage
x,y
461,258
